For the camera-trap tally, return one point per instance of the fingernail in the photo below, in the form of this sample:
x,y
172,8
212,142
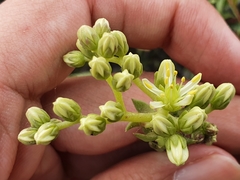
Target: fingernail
x,y
210,167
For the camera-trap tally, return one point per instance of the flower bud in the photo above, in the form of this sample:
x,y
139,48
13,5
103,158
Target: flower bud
x,y
107,46
46,133
88,37
93,124
101,26
26,136
162,124
87,53
74,59
111,110
224,94
67,109
203,95
122,43
100,68
122,81
177,151
37,116
165,73
192,120
132,63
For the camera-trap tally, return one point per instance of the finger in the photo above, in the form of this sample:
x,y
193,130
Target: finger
x,y
86,166
205,162
228,124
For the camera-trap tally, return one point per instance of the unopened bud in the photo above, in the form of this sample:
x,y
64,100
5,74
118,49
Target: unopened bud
x,y
177,151
132,63
192,120
37,116
203,95
67,109
88,37
74,59
165,72
26,136
122,81
163,125
111,110
100,68
101,26
122,43
46,133
107,46
93,124
87,53
224,94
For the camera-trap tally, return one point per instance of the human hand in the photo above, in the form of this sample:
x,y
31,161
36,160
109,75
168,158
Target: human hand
x,y
32,46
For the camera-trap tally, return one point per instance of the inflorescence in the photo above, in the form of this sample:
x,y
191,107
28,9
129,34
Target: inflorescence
x,y
175,118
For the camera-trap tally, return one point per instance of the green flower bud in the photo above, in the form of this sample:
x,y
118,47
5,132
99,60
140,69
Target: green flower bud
x,y
122,43
224,94
177,151
101,26
93,124
37,116
107,46
67,109
26,136
161,141
122,81
192,120
100,68
111,110
165,72
87,53
162,124
46,133
132,63
203,95
74,59
88,37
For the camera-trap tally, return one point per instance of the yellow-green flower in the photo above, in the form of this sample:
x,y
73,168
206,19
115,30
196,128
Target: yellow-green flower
x,y
171,96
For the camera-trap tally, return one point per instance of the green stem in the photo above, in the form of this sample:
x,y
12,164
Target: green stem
x,y
209,109
140,85
137,117
66,124
116,60
118,95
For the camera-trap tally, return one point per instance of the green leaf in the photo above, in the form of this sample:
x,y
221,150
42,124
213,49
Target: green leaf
x,y
132,125
146,137
141,106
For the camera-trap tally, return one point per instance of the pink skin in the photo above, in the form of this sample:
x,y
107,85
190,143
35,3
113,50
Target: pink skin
x,y
35,35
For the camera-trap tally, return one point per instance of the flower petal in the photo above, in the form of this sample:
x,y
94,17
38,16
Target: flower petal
x,y
185,101
151,87
156,104
191,84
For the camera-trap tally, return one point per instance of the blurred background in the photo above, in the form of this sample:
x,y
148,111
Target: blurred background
x,y
229,10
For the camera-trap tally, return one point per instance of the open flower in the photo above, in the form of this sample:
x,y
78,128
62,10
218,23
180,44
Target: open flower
x,y
171,95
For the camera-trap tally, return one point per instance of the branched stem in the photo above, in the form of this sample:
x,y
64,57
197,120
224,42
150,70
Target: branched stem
x,y
66,124
137,117
118,95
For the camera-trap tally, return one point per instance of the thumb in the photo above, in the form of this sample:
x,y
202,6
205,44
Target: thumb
x,y
205,162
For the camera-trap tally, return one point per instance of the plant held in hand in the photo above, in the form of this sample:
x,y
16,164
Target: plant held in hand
x,y
175,117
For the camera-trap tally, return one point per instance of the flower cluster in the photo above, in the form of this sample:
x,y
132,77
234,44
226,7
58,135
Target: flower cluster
x,y
175,117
